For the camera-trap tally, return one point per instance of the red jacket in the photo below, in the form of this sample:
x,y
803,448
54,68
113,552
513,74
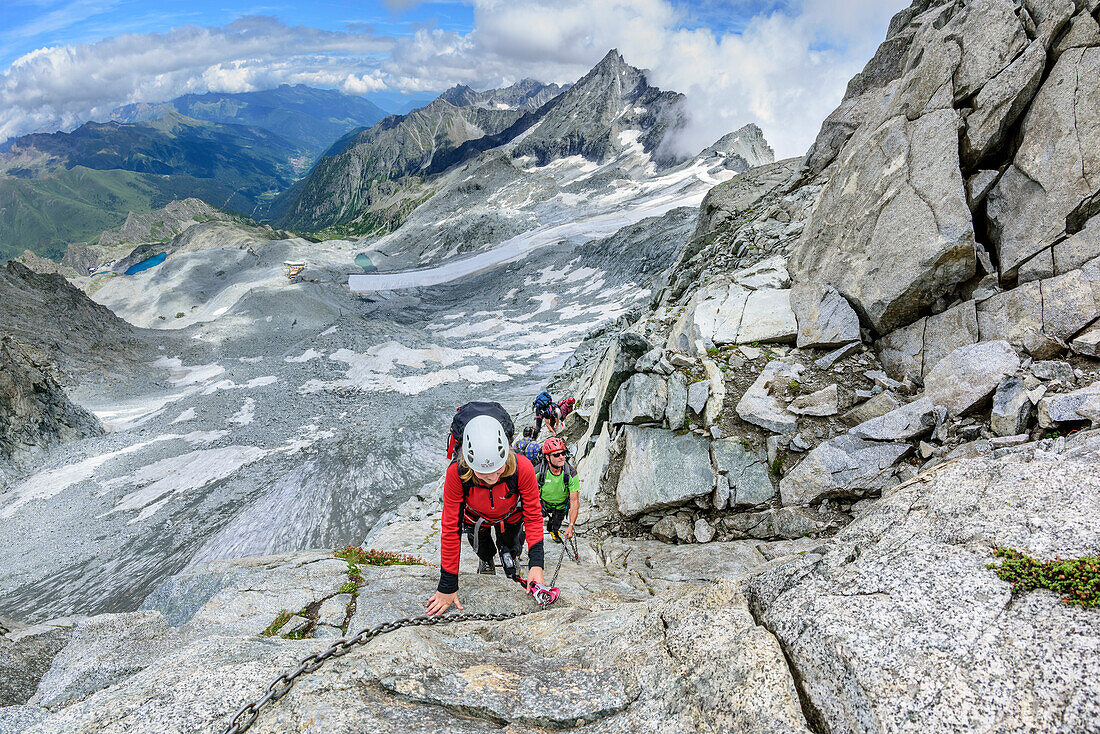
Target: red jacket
x,y
492,505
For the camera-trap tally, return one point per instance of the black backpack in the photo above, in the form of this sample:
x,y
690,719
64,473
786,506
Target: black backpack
x,y
465,414
469,411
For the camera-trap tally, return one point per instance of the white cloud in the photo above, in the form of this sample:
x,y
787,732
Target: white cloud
x,y
785,70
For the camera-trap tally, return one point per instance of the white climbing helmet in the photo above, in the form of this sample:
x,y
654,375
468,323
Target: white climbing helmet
x,y
484,444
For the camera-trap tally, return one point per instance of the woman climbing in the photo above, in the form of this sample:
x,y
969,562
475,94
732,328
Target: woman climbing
x,y
488,488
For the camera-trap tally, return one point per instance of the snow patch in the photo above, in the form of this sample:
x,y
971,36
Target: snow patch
x,y
187,415
306,356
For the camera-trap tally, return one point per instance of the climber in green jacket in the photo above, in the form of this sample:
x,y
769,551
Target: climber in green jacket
x,y
559,488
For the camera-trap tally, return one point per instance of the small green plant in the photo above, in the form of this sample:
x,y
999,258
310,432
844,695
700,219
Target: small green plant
x,y
277,623
712,351
745,444
777,465
795,385
348,587
1077,579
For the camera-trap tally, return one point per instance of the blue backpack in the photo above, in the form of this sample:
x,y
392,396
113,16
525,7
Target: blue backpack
x,y
543,403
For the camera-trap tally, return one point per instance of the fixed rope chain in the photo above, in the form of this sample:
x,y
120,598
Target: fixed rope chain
x,y
246,716
570,545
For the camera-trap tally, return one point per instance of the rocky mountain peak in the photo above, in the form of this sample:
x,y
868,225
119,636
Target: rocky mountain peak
x,y
592,116
742,149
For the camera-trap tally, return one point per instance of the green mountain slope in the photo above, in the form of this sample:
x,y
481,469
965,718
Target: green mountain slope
x,y
68,187
310,118
78,204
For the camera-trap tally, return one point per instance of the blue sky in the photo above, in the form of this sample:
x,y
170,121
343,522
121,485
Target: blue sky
x,y
780,63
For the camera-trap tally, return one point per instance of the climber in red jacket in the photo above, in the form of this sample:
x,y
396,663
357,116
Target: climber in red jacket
x,y
488,489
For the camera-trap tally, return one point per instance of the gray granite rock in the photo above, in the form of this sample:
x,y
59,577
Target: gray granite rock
x,y
1052,369
1000,103
641,399
825,401
716,392
698,392
969,375
1057,164
743,477
891,230
759,407
1062,407
704,533
827,361
825,319
945,332
676,407
1088,341
767,318
971,657
25,656
1011,408
662,470
900,424
843,466
780,523
877,405
102,651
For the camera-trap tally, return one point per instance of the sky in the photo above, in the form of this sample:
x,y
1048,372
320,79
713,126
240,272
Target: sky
x,y
782,64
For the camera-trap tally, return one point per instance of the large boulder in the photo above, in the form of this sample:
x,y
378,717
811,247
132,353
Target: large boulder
x,y
825,319
970,374
898,625
759,407
743,477
641,399
662,469
1000,103
843,466
1056,165
901,424
891,230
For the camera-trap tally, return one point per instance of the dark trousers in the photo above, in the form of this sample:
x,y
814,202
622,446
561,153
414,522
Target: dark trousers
x,y
555,516
511,539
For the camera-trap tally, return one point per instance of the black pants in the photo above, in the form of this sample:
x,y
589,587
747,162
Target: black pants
x,y
555,516
511,539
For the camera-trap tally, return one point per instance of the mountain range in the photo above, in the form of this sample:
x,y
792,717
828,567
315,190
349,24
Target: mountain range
x,y
254,154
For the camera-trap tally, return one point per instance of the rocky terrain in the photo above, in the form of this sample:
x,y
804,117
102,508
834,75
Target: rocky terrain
x,y
811,411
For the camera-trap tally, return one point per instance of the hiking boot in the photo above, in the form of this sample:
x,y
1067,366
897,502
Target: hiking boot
x,y
487,567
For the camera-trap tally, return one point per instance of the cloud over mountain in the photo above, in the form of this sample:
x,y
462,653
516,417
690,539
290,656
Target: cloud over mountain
x,y
784,68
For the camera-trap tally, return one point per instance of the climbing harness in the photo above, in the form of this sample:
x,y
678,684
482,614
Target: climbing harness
x,y
246,716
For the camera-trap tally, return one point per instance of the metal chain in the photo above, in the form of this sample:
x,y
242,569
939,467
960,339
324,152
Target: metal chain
x,y
246,716
575,553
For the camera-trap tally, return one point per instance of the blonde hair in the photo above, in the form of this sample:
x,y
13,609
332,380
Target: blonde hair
x,y
466,474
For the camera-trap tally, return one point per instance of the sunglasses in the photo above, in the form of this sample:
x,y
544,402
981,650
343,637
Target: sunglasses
x,y
557,453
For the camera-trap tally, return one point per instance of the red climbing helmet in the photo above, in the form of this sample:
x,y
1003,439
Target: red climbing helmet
x,y
552,445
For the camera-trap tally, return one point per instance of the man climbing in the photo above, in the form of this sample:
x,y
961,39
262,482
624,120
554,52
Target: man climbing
x,y
528,446
546,411
488,487
559,488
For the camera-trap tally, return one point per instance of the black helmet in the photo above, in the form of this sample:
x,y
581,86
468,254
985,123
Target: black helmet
x,y
528,431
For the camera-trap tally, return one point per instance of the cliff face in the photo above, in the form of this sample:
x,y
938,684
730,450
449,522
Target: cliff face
x,y
57,323
35,413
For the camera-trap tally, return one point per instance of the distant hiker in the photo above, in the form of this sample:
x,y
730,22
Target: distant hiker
x,y
559,488
546,411
565,407
488,489
528,446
